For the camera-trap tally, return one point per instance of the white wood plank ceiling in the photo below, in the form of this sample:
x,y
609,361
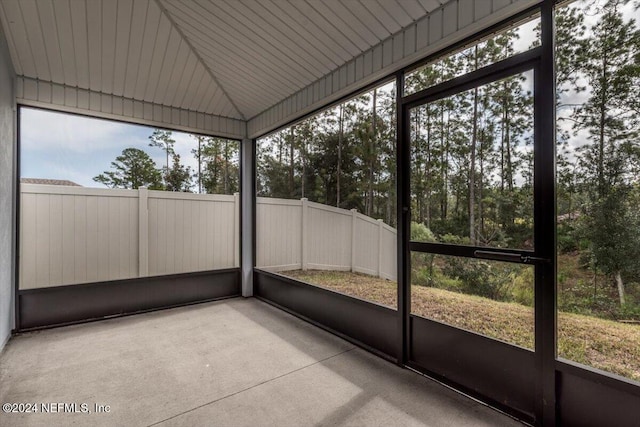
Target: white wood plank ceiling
x,y
230,58
263,51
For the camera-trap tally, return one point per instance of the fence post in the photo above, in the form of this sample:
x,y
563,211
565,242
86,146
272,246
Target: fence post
x,y
380,231
304,234
143,232
236,229
354,217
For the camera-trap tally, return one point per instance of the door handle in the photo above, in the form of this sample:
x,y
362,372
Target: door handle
x,y
509,257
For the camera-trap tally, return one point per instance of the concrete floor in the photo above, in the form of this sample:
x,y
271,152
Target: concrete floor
x,y
237,362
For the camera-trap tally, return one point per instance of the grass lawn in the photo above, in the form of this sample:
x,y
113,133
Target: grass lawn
x,y
603,344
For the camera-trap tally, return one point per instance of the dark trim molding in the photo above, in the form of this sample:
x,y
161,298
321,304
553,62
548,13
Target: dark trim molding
x,y
63,305
499,374
403,236
586,399
622,384
366,324
516,64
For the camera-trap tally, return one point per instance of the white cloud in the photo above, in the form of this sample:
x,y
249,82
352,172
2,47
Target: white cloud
x,y
46,130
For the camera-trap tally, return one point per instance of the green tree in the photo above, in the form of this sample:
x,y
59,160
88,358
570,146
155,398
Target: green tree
x,y
163,140
607,61
218,165
132,169
178,178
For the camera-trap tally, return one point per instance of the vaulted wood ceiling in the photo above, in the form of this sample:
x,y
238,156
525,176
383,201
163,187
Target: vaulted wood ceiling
x,y
231,58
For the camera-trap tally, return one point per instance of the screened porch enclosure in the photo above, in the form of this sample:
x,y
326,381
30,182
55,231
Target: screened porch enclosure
x,y
384,189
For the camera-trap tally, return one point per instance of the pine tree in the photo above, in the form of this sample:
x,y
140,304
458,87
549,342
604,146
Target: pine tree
x,y
604,160
178,178
131,170
163,140
218,162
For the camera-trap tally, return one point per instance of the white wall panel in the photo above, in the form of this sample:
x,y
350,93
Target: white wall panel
x,y
435,26
450,17
409,41
63,98
7,185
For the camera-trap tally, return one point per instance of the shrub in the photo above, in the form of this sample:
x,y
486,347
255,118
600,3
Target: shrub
x,y
523,289
629,311
420,233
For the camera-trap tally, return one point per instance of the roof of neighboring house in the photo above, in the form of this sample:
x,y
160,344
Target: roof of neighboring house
x,y
49,181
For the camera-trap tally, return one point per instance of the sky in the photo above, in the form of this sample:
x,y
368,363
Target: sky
x,y
77,148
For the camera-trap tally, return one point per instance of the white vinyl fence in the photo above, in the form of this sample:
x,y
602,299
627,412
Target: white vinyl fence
x,y
298,234
71,235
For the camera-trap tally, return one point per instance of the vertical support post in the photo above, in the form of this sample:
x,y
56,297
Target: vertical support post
x,y
380,231
545,221
143,232
248,206
354,219
304,233
236,230
403,160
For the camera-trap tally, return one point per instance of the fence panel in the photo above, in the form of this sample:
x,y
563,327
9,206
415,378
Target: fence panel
x,y
75,235
72,235
191,232
329,238
278,234
389,256
366,243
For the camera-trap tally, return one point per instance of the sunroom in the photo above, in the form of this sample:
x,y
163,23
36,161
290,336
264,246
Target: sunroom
x,y
243,212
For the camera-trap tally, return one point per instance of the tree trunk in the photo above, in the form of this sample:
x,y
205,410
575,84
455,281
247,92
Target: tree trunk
x,y
372,156
481,186
418,183
502,136
620,286
428,170
339,168
443,164
291,162
226,168
472,167
445,206
603,118
199,165
304,166
507,142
